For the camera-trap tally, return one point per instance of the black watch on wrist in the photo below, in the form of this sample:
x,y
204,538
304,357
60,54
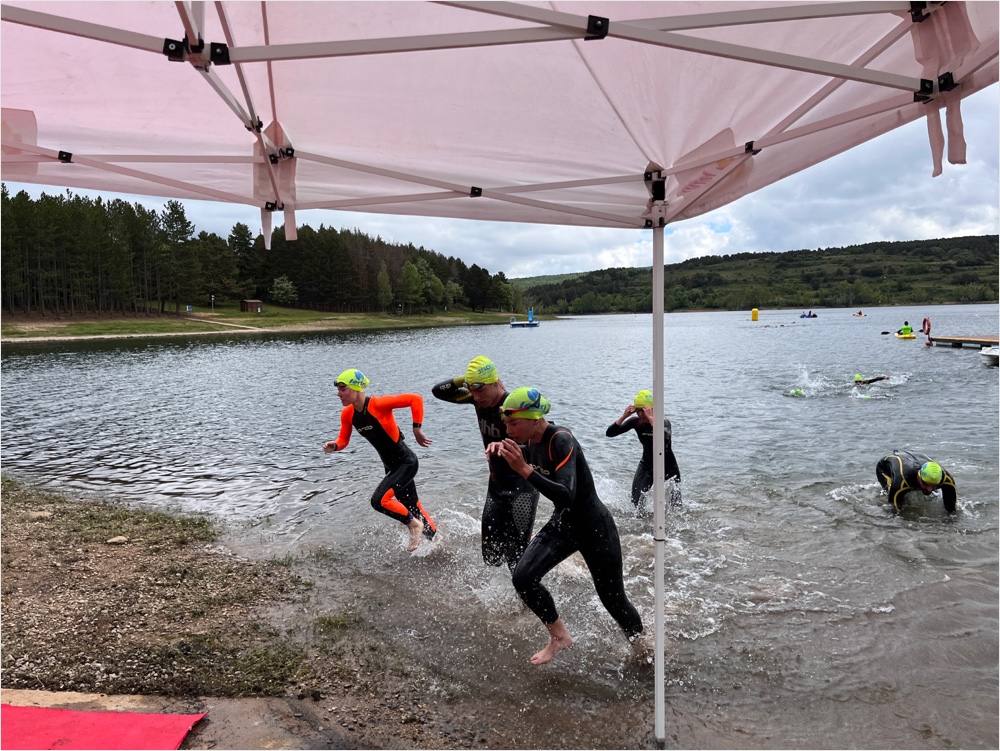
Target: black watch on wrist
x,y
417,425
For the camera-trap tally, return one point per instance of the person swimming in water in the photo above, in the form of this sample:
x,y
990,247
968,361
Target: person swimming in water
x,y
860,380
638,416
551,459
511,502
904,471
396,496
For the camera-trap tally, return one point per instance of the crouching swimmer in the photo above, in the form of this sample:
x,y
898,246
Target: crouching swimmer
x,y
550,458
904,471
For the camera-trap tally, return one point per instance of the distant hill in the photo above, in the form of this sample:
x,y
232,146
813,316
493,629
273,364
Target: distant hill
x,y
534,281
954,269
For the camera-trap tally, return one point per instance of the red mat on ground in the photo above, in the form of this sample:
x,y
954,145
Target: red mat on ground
x,y
42,727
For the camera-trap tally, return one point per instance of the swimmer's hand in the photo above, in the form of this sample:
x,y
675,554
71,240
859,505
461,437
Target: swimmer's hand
x,y
510,451
329,447
421,438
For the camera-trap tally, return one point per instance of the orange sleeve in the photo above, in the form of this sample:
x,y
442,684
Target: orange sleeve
x,y
344,438
397,401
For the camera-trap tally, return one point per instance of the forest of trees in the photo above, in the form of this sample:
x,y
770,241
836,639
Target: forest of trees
x,y
959,269
66,254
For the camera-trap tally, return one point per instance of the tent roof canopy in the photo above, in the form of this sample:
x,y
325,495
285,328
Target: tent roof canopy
x,y
563,113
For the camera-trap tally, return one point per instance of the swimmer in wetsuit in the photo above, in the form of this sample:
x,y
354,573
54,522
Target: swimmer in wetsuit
x,y
550,458
396,495
511,501
638,416
860,380
904,471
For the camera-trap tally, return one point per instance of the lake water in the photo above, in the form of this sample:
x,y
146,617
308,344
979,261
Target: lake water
x,y
800,612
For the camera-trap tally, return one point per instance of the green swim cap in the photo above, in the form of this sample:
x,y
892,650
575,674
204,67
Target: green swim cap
x,y
353,379
481,370
931,473
525,403
858,377
643,399
796,392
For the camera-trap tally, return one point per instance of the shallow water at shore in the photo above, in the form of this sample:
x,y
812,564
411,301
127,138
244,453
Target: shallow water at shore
x,y
800,612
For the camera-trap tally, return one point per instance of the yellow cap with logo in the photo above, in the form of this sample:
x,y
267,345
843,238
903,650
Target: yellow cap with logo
x,y
481,370
525,403
353,379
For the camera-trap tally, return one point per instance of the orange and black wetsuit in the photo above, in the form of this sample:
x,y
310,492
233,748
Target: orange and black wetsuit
x,y
580,522
898,474
642,481
396,495
511,502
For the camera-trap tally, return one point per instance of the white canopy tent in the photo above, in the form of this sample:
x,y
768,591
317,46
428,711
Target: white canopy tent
x,y
611,114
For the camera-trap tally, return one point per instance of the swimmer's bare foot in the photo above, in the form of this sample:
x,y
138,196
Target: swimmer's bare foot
x,y
559,639
416,528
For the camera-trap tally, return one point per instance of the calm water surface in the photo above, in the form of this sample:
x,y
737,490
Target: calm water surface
x,y
800,611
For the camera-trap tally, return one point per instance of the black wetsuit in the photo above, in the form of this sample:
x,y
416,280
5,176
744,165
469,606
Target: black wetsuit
x,y
580,522
898,474
643,479
511,502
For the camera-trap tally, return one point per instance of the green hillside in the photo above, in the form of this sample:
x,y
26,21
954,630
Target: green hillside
x,y
527,282
957,269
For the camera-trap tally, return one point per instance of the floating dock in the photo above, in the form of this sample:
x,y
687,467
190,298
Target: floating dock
x,y
964,341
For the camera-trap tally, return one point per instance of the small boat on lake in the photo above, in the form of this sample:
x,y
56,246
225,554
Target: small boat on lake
x,y
990,355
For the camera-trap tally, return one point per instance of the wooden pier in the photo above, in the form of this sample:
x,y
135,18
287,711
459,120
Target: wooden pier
x,y
964,341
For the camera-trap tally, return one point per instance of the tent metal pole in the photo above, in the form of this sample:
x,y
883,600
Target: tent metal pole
x,y
659,531
84,29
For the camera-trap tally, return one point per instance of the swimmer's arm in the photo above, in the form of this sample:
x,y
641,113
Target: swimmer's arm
x,y
453,390
346,415
949,493
623,424
560,485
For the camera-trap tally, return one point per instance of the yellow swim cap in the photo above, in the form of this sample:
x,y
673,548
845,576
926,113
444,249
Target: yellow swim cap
x,y
931,473
481,370
643,399
353,379
525,403
858,377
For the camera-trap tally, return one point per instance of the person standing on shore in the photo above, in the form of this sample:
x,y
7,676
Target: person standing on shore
x,y
638,416
511,502
396,496
551,459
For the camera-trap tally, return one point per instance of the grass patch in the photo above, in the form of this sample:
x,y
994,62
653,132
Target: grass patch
x,y
92,522
333,625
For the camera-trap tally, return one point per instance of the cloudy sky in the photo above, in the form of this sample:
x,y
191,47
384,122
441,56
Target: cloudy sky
x,y
881,190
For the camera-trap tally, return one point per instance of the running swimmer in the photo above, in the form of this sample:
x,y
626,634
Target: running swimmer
x,y
553,462
511,501
638,416
396,495
904,471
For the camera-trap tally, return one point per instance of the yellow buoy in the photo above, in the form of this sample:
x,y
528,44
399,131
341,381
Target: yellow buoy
x,y
753,314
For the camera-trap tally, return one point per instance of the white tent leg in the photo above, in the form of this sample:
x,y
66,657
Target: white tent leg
x,y
659,533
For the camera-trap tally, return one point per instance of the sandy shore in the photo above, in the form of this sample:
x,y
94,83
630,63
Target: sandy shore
x,y
112,607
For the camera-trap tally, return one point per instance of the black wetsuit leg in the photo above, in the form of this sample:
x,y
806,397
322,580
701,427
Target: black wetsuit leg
x,y
601,548
398,479
597,540
642,481
546,550
508,519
